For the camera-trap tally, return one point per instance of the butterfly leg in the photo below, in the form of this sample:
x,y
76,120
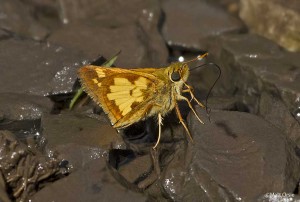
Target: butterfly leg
x,y
180,97
190,91
154,153
159,130
182,121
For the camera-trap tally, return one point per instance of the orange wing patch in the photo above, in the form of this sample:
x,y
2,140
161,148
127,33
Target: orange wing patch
x,y
117,91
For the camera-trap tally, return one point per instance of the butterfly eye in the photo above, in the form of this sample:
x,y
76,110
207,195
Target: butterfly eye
x,y
175,76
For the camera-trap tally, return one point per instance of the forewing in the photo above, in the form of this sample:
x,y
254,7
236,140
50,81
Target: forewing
x,y
118,91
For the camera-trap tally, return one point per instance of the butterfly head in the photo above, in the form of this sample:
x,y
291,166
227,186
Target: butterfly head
x,y
179,71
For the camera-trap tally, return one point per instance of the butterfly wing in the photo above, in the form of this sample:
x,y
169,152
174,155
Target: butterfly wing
x,y
124,94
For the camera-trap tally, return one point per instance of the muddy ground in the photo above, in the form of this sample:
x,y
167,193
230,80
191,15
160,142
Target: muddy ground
x,y
246,150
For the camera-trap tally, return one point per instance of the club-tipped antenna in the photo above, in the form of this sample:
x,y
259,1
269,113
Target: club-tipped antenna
x,y
210,90
199,57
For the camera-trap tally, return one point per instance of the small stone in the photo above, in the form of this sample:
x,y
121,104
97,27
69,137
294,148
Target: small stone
x,y
236,156
93,40
69,127
93,182
253,66
44,70
199,23
278,20
16,17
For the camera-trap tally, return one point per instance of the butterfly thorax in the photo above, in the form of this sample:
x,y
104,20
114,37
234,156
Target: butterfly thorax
x,y
169,87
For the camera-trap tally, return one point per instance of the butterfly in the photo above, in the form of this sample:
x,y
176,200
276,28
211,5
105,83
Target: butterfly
x,y
128,96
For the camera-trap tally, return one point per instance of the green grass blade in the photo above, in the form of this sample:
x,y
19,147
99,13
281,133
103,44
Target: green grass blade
x,y
111,61
75,98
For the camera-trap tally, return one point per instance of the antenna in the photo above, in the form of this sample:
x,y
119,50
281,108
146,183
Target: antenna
x,y
199,57
210,90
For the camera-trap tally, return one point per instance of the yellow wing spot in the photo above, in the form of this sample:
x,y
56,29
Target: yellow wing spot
x,y
126,111
139,99
121,84
118,95
100,73
122,81
124,93
121,101
115,89
141,82
136,92
126,104
95,80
